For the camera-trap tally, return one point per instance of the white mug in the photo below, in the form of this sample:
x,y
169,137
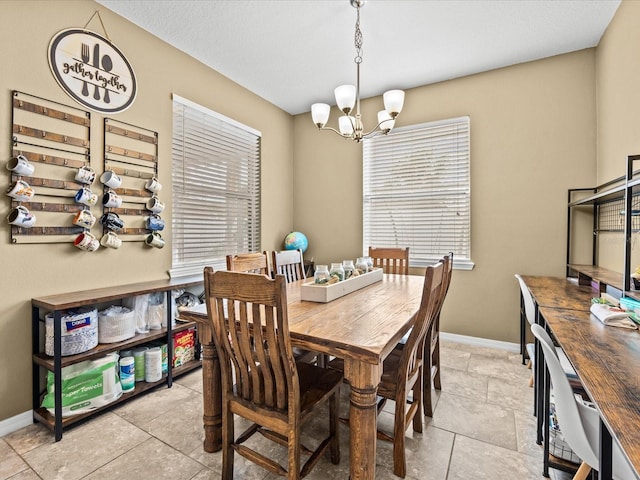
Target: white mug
x,y
154,240
21,191
111,199
20,166
155,205
110,179
21,217
87,241
86,197
86,175
84,218
153,185
111,240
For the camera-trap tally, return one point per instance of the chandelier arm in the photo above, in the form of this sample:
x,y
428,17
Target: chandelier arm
x,y
332,130
376,130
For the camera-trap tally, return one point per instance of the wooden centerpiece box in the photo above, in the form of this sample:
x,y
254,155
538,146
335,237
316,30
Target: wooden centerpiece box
x,y
327,293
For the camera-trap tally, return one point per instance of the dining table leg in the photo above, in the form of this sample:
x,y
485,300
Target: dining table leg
x,y
211,391
363,379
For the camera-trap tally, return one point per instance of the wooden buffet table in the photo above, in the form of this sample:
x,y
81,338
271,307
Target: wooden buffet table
x,y
362,328
604,358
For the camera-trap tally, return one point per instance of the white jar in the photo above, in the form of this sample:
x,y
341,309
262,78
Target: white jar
x,y
153,365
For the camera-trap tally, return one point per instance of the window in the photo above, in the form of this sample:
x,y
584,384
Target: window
x,y
416,185
216,188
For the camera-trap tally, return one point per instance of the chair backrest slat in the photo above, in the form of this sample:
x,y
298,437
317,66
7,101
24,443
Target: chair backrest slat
x,y
391,260
255,338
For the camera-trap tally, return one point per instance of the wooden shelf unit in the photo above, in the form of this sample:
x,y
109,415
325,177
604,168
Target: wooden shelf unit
x,y
57,303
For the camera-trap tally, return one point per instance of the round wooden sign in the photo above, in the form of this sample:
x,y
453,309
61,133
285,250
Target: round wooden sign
x,y
92,70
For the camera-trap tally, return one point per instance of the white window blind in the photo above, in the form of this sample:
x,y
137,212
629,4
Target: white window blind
x,y
416,184
216,188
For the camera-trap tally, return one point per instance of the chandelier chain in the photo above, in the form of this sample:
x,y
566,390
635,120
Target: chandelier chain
x,y
358,38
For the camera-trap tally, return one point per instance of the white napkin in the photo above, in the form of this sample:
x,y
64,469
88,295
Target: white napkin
x,y
612,316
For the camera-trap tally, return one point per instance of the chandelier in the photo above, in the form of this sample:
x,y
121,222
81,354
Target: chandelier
x,y
348,97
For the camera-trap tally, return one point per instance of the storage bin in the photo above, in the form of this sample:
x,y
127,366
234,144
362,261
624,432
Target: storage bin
x,y
116,324
558,446
79,331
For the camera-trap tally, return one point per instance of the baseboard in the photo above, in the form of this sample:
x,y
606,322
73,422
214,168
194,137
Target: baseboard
x,y
16,423
480,342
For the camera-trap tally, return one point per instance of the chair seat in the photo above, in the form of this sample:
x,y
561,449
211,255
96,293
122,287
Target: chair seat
x,y
566,364
564,361
316,384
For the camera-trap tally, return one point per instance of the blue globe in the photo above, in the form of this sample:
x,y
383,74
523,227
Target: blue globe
x,y
295,241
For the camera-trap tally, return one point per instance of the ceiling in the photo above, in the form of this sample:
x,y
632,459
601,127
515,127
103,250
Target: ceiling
x,y
295,52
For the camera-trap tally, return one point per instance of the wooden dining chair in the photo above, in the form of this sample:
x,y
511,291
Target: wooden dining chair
x,y
271,389
431,377
403,370
391,260
249,263
289,263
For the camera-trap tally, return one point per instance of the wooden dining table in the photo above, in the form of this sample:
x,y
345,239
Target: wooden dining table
x,y
361,327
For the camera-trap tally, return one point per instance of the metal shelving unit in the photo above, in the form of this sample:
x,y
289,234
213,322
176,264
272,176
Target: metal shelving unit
x,y
615,207
55,363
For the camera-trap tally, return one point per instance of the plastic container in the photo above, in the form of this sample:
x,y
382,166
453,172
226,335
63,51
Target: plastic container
x,y
116,324
79,331
153,365
138,355
127,374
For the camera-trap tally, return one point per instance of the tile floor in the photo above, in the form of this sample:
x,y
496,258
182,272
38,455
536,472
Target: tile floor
x,y
482,428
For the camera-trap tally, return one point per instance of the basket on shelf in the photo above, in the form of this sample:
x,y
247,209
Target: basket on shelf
x,y
558,446
116,324
79,331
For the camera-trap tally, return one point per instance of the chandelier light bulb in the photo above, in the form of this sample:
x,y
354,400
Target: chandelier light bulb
x,y
320,114
393,102
345,97
385,121
345,124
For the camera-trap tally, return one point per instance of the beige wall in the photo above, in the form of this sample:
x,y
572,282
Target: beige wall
x,y
532,138
618,104
37,270
533,129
